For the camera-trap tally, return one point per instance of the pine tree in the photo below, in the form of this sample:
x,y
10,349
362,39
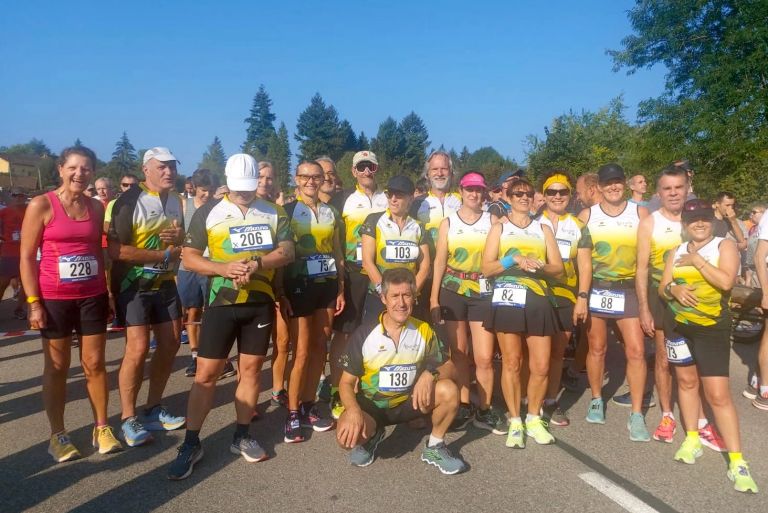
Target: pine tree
x,y
260,125
124,158
279,153
415,142
78,143
318,131
214,159
362,142
388,146
346,137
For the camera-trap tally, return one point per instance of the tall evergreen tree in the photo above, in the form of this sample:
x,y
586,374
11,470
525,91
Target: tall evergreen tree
x,y
415,142
279,153
388,145
124,158
317,131
260,125
78,143
362,142
347,137
214,159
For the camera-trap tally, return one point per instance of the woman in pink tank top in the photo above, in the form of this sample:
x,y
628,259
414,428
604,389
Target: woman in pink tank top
x,y
67,292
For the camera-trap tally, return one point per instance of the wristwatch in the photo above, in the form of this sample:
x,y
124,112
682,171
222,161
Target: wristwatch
x,y
435,375
583,295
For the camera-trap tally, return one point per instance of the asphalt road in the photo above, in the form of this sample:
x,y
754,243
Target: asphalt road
x,y
590,468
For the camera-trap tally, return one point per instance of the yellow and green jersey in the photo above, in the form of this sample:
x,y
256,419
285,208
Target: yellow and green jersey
x,y
314,237
138,217
525,241
614,243
357,207
430,212
665,237
466,243
571,235
388,371
230,236
712,304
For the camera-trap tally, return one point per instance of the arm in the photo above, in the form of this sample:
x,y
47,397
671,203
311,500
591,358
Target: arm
x,y
351,428
584,270
762,270
338,256
724,275
35,219
424,265
554,266
491,263
369,259
738,233
441,259
644,232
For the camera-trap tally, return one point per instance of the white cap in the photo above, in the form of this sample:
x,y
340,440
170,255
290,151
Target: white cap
x,y
160,153
364,156
242,173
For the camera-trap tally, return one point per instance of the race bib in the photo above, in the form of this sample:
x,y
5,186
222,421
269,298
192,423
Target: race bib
x,y
607,301
157,268
359,253
401,251
78,268
509,294
321,265
16,236
678,351
253,237
486,287
565,249
397,378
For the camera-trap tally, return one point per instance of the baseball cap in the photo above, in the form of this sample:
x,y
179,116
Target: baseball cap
x,y
696,209
610,172
242,173
400,183
364,156
506,175
473,179
160,153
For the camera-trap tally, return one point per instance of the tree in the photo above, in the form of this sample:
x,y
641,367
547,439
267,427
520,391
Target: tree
x,y
78,143
214,159
362,142
490,162
463,159
34,147
124,158
347,137
319,132
713,108
260,125
388,145
279,153
415,143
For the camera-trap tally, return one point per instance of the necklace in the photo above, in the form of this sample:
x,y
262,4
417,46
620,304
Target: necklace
x,y
75,217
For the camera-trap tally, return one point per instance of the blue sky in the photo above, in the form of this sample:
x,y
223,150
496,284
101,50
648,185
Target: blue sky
x,y
178,73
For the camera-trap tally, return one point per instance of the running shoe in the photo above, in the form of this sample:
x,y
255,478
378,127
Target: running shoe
x,y
153,343
638,432
761,401
711,438
292,430
492,420
248,448
463,416
182,466
738,472
441,457
310,418
228,371
625,400
337,409
62,449
104,440
134,432
363,455
280,398
689,451
596,411
666,430
554,415
191,369
516,435
750,391
184,337
324,390
537,429
159,419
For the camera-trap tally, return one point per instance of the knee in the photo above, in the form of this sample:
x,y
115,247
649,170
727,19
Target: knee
x,y
635,353
484,364
538,368
687,383
92,364
597,349
718,398
511,366
446,392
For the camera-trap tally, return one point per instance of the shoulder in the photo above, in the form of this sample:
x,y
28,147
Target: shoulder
x,y
373,219
38,205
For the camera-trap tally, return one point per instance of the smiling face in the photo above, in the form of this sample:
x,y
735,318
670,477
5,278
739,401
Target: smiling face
x,y
557,196
160,176
365,173
613,190
309,179
439,173
472,196
266,187
76,173
399,202
520,197
398,301
672,191
699,230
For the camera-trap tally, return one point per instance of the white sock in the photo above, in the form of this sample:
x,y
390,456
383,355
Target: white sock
x,y
512,420
194,354
433,441
668,414
763,389
703,423
530,418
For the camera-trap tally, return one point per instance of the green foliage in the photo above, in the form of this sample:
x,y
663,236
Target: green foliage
x,y
388,145
488,161
415,143
78,143
319,131
124,158
34,147
214,159
260,125
279,153
362,142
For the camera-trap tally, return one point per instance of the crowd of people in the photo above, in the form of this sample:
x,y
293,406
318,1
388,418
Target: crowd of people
x,y
407,297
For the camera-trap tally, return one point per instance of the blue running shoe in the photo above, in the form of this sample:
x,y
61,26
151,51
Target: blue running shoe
x,y
184,339
185,461
596,411
638,432
324,390
363,455
153,343
134,432
158,419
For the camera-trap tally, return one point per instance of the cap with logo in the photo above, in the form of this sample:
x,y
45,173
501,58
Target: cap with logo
x,y
160,153
697,209
400,183
242,173
609,172
364,156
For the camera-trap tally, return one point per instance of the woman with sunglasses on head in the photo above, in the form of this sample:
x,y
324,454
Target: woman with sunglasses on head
x,y
519,253
697,281
461,299
571,289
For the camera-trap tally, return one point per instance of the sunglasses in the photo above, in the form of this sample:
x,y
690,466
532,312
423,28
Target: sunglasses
x,y
307,178
756,212
557,192
126,185
520,194
369,166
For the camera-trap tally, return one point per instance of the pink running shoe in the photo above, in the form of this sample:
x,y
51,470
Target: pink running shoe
x,y
711,438
666,430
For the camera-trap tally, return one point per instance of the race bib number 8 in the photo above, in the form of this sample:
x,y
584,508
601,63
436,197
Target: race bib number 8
x,y
397,378
678,351
401,251
509,294
486,286
607,301
78,268
253,237
321,265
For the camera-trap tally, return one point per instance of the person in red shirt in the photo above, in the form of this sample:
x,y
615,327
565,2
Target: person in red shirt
x,y
10,243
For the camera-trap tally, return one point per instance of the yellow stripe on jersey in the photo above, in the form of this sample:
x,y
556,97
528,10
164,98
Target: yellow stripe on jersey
x,y
466,243
314,238
711,302
395,248
614,243
357,207
665,237
571,234
528,242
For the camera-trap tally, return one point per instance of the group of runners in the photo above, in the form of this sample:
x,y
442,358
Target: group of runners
x,y
407,298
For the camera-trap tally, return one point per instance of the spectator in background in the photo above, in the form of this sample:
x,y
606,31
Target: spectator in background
x,y
189,188
726,223
91,191
422,187
10,245
587,192
330,190
755,215
499,206
537,203
638,186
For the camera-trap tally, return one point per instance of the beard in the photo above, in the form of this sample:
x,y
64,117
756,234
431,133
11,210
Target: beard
x,y
441,184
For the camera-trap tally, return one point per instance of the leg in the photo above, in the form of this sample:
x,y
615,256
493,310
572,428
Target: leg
x,y
301,328
203,389
167,335
718,395
688,395
321,331
247,392
446,403
538,363
280,350
482,349
57,354
94,367
194,315
559,341
456,332
634,349
597,343
662,375
511,356
132,367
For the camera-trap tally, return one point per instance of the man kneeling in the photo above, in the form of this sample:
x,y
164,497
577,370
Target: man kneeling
x,y
398,361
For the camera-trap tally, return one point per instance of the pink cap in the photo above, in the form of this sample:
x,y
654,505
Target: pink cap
x,y
473,180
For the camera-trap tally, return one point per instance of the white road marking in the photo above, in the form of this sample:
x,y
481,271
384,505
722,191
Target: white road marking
x,y
616,493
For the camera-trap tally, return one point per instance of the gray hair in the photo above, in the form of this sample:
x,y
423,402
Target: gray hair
x,y
435,154
104,179
326,158
396,277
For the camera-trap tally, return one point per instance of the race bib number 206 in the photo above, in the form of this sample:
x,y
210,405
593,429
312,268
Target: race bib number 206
x,y
253,237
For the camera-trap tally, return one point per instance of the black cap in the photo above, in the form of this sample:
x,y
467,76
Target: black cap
x,y
696,209
401,183
610,172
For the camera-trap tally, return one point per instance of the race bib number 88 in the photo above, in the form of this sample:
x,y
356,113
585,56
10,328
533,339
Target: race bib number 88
x,y
397,378
253,237
607,301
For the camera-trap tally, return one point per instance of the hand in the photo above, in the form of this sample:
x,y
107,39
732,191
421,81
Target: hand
x,y
685,260
340,303
36,316
174,254
423,392
436,313
173,234
684,294
764,303
580,310
235,269
351,428
285,307
730,213
646,321
527,264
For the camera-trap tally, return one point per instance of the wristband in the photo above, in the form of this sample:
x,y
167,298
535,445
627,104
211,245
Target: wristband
x,y
507,261
32,299
668,290
166,256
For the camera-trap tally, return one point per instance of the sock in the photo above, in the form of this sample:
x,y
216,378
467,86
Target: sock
x,y
550,402
241,430
764,390
194,354
703,423
192,437
754,380
433,441
692,435
735,457
100,424
668,414
512,420
531,418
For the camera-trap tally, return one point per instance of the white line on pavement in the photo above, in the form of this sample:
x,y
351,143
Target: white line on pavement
x,y
616,493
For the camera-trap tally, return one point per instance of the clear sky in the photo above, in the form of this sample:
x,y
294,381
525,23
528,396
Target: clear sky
x,y
177,74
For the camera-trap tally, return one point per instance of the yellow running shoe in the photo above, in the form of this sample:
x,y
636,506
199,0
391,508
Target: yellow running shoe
x,y
104,440
516,435
537,429
738,472
337,409
62,449
689,451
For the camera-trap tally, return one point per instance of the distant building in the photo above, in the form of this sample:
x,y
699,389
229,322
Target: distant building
x,y
19,171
